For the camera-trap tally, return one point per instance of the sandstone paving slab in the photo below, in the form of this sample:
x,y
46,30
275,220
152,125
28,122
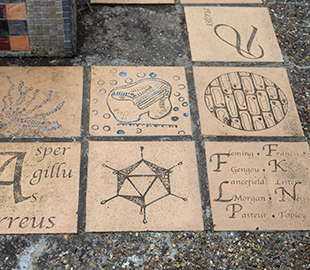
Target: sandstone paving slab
x,y
220,1
242,34
239,101
132,1
40,101
143,186
39,187
259,185
139,101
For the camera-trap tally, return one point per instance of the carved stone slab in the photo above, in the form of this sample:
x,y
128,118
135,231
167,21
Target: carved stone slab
x,y
40,101
219,1
259,185
143,186
249,101
132,1
231,34
139,101
39,187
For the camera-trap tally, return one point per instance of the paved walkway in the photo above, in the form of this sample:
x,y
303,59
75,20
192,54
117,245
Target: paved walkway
x,y
193,143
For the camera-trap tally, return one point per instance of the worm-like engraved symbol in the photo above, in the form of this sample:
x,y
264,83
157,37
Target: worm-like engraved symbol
x,y
245,53
246,101
152,96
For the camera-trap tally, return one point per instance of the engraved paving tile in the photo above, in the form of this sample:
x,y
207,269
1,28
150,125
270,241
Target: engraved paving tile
x,y
246,102
220,1
259,185
132,1
39,184
40,101
231,34
139,101
143,186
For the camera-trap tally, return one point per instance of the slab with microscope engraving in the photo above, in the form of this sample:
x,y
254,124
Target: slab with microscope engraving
x,y
143,186
241,34
40,101
259,185
139,101
238,101
39,187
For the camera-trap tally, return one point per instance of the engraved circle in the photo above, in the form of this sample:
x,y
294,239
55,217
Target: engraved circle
x,y
246,101
177,94
106,128
181,99
95,127
139,130
120,132
123,74
113,82
106,116
101,82
176,77
140,74
181,86
181,132
113,70
102,91
128,80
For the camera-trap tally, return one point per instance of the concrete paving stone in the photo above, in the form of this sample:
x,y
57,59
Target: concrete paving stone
x,y
132,1
259,185
143,186
16,11
39,185
221,1
242,34
139,101
240,101
40,101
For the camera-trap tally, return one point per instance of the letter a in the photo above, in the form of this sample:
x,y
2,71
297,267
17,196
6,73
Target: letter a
x,y
17,190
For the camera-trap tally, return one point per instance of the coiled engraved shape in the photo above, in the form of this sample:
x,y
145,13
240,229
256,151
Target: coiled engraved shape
x,y
246,101
152,96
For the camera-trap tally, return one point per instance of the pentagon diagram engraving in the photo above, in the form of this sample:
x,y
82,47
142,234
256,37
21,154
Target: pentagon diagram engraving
x,y
138,188
246,101
149,96
20,106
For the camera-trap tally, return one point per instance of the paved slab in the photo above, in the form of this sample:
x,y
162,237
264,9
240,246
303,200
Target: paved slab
x,y
143,186
132,1
220,1
40,101
39,187
246,102
259,185
231,34
139,101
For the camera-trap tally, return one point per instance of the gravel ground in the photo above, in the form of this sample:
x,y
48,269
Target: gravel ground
x,y
111,36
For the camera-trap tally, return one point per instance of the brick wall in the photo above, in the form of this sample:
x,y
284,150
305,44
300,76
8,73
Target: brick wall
x,y
49,26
